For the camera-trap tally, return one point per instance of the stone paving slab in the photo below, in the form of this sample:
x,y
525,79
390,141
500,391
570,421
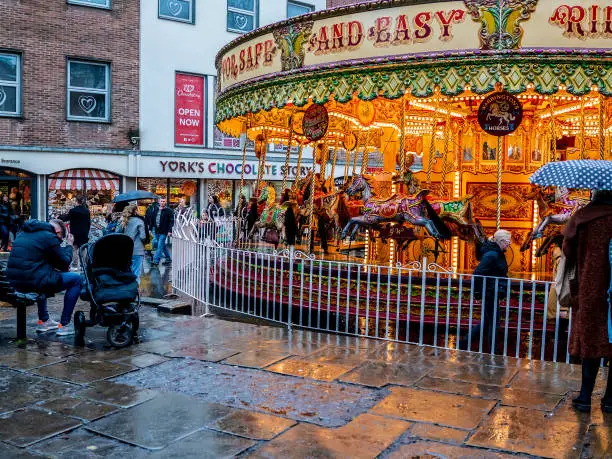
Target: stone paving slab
x,y
365,437
81,370
83,444
256,359
204,444
433,432
141,360
599,444
426,449
120,395
26,427
256,426
529,431
379,374
312,370
443,409
22,359
78,408
156,423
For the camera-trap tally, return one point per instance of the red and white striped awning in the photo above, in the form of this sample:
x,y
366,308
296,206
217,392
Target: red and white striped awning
x,y
83,179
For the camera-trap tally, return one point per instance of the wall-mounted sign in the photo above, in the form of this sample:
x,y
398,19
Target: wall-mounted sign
x,y
188,109
315,122
500,114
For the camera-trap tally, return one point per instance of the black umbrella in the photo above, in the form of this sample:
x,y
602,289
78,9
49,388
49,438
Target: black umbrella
x,y
135,195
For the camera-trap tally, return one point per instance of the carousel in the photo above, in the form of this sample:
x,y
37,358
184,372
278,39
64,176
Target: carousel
x,y
424,123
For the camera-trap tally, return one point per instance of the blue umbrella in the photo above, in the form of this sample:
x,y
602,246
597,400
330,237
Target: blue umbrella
x,y
135,195
590,174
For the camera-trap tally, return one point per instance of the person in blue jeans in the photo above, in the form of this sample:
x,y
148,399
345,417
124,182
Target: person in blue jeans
x,y
164,222
40,263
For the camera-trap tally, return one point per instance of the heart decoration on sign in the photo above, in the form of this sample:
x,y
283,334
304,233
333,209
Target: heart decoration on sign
x,y
175,8
188,87
2,96
241,21
87,103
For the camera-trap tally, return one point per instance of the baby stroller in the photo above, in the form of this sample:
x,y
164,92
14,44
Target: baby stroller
x,y
111,289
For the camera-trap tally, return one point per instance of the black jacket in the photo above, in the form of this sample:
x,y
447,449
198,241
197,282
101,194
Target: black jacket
x,y
151,215
492,263
80,223
37,259
5,213
166,221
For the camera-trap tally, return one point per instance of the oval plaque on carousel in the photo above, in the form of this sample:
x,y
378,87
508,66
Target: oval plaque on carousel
x,y
315,122
500,114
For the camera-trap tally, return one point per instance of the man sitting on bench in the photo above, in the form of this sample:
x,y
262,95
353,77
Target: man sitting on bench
x,y
38,263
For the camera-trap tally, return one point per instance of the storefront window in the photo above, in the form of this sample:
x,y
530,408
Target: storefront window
x,y
17,186
223,189
172,189
97,186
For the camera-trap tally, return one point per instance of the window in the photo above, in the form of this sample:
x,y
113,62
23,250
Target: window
x,y
241,15
88,91
177,10
10,84
94,3
297,8
230,143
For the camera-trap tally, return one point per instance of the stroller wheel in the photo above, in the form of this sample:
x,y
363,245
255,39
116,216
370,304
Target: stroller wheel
x,y
120,335
79,328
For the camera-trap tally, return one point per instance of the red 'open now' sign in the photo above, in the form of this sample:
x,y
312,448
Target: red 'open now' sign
x,y
189,110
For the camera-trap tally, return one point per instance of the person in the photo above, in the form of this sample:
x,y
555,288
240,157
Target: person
x,y
492,264
111,224
163,222
80,223
585,245
214,207
133,225
6,211
38,263
241,207
151,223
291,227
323,221
252,215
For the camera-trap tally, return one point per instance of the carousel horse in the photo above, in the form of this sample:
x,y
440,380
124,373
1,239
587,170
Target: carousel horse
x,y
554,214
398,208
459,217
272,216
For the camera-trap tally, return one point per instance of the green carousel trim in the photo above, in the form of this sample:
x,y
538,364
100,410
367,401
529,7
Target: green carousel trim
x,y
419,79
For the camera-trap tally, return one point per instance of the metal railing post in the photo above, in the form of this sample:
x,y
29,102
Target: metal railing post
x,y
290,294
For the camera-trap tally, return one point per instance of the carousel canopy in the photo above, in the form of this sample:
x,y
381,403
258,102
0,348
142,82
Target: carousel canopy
x,y
388,49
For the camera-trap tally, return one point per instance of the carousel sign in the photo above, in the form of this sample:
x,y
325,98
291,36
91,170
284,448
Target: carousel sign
x,y
315,122
500,114
405,29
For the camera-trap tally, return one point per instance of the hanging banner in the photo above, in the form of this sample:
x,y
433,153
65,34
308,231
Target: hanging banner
x,y
500,114
189,109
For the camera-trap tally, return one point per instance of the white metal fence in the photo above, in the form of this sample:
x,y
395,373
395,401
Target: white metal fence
x,y
420,304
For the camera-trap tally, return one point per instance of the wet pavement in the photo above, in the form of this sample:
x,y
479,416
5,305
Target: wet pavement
x,y
209,387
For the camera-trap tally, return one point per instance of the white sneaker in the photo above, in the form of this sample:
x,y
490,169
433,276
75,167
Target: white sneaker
x,y
44,327
65,330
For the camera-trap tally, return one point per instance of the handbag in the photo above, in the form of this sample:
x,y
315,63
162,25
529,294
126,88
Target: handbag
x,y
566,275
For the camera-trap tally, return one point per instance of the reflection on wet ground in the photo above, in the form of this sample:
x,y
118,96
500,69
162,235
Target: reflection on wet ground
x,y
208,387
155,280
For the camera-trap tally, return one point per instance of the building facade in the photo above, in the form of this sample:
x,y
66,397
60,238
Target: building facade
x,y
182,155
103,96
69,85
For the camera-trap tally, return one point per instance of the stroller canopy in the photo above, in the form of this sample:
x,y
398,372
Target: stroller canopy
x,y
113,251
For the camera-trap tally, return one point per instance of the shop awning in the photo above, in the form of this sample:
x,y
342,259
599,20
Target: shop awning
x,y
83,179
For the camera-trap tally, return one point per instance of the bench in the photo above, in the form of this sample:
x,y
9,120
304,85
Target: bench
x,y
18,300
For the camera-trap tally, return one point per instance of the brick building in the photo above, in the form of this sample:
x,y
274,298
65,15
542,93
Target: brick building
x,y
69,100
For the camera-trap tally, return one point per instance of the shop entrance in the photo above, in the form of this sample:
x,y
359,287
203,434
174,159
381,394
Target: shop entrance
x,y
174,190
20,188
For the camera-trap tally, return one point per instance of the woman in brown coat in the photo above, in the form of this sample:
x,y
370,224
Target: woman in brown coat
x,y
587,238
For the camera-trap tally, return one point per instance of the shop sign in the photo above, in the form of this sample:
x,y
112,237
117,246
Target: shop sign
x,y
222,169
315,122
583,21
500,114
189,110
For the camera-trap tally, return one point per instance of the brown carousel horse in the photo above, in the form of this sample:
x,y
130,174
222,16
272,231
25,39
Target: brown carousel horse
x,y
554,214
398,208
